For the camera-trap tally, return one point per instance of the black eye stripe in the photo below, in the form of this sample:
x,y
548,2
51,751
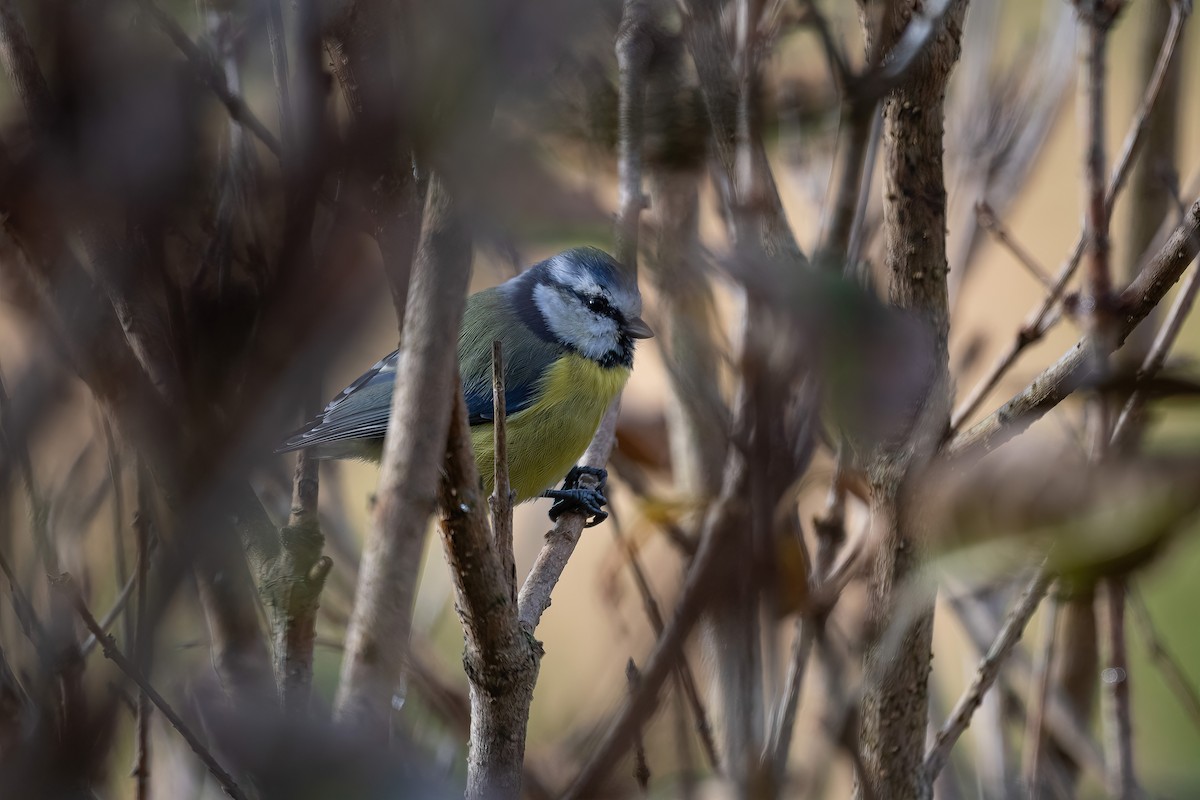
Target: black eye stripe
x,y
598,304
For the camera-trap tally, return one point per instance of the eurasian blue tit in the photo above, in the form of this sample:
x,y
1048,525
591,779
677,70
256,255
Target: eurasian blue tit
x,y
567,328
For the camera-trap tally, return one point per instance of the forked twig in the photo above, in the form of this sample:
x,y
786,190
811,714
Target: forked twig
x,y
986,674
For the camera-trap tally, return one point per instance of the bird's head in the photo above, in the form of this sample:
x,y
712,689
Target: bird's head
x,y
590,304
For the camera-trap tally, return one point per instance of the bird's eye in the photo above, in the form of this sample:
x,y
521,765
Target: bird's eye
x,y
597,304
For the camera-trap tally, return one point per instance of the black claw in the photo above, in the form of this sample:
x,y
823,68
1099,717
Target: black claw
x,y
579,499
583,501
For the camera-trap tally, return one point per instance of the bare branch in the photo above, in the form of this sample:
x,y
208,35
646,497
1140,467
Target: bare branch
x,y
721,526
501,499
501,659
1118,724
687,679
66,584
1180,9
1072,370
990,223
1156,357
211,75
1173,674
1035,716
1035,324
420,416
534,597
986,674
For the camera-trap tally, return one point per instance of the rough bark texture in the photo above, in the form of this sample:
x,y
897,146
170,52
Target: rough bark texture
x,y
501,660
377,640
895,703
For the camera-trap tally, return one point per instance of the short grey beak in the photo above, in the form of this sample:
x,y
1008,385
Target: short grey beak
x,y
638,329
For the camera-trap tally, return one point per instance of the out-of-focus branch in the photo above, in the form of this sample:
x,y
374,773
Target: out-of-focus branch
x,y
1118,719
1035,324
67,585
1128,421
420,416
1001,125
986,674
208,70
634,47
1154,170
687,679
1174,675
718,538
989,222
1035,716
706,39
293,583
21,65
1071,370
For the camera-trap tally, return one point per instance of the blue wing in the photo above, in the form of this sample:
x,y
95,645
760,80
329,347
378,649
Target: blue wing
x,y
360,411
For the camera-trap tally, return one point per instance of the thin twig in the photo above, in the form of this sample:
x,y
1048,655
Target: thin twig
x,y
641,770
1156,357
1180,9
501,499
1118,718
990,223
1035,325
1036,707
66,584
686,676
141,649
118,606
1173,674
986,674
1073,369
205,65
718,532
534,597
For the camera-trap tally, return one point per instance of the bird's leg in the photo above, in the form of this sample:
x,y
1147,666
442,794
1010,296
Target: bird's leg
x,y
584,500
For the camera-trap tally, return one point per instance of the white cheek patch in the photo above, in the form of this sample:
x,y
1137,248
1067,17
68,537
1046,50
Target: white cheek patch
x,y
591,334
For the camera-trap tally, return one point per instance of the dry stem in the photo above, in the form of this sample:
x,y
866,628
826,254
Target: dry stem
x,y
986,674
66,584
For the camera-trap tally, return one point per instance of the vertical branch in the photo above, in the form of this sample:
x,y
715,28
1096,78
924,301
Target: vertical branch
x,y
634,47
377,639
1118,725
1096,17
501,499
142,646
894,709
1155,168
1036,707
500,658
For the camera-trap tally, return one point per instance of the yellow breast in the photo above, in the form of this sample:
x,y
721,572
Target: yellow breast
x,y
546,439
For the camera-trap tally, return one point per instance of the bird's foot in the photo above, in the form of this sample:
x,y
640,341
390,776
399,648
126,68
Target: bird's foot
x,y
580,499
